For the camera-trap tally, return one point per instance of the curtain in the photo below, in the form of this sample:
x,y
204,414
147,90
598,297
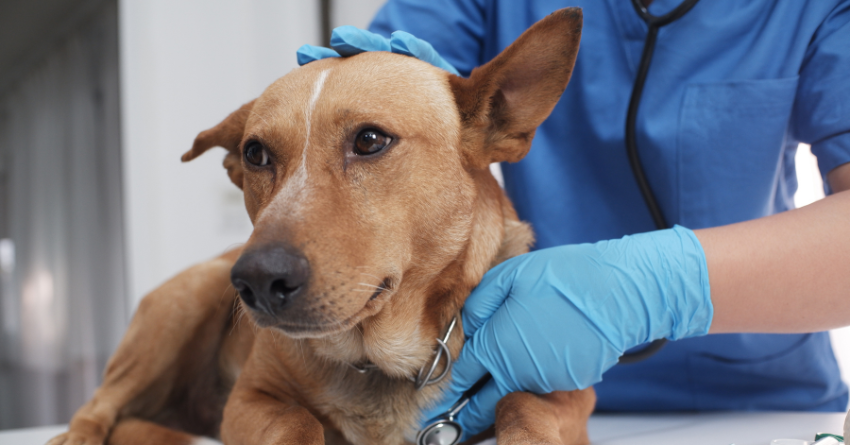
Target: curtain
x,y
62,290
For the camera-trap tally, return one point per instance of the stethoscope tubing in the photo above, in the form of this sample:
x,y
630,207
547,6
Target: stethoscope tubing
x,y
666,19
654,23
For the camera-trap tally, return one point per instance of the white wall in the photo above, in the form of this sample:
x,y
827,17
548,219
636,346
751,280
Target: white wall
x,y
357,13
184,66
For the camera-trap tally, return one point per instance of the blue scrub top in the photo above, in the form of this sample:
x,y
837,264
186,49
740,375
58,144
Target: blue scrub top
x,y
733,88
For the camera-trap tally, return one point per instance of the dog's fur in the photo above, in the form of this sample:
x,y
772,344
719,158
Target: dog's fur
x,y
395,242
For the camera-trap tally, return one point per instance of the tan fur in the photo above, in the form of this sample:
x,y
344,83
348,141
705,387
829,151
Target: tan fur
x,y
424,218
130,431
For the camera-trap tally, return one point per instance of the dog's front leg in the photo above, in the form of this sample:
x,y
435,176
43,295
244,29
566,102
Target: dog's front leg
x,y
178,324
558,418
254,416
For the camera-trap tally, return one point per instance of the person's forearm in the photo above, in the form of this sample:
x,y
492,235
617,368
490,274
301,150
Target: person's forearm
x,y
784,273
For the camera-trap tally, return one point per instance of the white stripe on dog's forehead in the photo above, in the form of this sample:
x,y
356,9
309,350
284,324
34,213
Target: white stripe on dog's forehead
x,y
294,192
308,113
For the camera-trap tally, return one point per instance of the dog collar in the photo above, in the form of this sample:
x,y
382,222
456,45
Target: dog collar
x,y
424,378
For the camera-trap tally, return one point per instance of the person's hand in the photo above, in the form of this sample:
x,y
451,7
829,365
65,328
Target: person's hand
x,y
557,319
347,41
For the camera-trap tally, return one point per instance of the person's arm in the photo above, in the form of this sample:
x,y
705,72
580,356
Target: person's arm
x,y
790,272
785,273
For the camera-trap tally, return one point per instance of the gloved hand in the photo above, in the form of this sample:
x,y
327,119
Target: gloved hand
x,y
557,319
348,41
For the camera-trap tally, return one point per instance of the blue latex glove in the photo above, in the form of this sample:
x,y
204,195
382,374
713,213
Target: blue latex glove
x,y
348,41
557,319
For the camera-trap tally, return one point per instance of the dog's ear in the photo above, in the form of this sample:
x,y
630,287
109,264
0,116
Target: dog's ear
x,y
502,103
227,134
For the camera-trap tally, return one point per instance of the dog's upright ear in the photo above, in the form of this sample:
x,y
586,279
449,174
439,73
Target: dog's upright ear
x,y
227,134
503,102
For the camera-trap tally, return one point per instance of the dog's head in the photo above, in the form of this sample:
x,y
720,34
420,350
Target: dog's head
x,y
363,173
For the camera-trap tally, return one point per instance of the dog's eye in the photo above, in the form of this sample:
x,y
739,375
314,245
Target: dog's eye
x,y
256,154
370,141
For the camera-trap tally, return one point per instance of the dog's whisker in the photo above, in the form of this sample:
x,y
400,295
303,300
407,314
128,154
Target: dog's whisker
x,y
234,309
274,336
370,275
225,291
372,286
262,118
301,347
237,312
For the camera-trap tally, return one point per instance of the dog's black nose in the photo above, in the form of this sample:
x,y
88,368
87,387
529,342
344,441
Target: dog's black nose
x,y
270,277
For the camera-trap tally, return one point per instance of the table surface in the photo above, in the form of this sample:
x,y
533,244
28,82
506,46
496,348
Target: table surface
x,y
630,429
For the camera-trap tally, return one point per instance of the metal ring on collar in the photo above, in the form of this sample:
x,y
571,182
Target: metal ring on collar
x,y
421,380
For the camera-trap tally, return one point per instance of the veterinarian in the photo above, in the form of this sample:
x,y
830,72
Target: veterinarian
x,y
732,90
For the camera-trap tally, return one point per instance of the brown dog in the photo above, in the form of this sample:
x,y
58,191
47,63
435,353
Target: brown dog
x,y
374,216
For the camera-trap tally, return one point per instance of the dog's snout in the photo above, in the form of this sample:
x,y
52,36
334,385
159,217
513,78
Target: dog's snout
x,y
270,278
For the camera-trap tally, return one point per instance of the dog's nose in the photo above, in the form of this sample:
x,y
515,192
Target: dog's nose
x,y
270,277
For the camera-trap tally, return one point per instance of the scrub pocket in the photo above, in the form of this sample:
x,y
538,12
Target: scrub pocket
x,y
731,142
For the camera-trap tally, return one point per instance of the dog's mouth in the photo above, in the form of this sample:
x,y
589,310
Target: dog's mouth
x,y
298,328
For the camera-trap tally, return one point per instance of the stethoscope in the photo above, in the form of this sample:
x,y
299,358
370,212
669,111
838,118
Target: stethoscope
x,y
654,23
444,429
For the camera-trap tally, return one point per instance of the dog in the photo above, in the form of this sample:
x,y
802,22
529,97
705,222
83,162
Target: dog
x,y
375,215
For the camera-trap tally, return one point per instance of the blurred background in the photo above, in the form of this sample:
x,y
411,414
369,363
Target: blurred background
x,y
98,100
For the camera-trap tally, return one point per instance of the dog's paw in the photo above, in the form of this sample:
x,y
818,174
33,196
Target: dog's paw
x,y
72,438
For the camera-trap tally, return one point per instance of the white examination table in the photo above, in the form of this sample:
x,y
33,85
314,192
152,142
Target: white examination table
x,y
618,429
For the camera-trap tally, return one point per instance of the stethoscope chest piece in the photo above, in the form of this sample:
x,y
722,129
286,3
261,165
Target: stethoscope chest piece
x,y
444,430
440,432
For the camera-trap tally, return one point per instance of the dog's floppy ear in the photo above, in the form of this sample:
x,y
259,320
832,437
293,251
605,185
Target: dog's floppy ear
x,y
502,103
227,134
